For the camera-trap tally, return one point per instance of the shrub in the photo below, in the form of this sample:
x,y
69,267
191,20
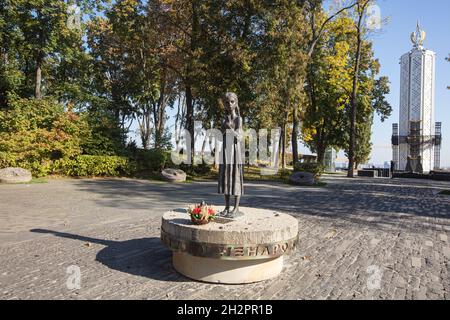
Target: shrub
x,y
153,160
106,138
203,168
197,170
7,160
315,168
36,132
88,166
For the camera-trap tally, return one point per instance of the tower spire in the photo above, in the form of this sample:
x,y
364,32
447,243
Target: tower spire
x,y
418,37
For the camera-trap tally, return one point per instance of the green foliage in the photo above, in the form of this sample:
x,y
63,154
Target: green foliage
x,y
315,168
88,166
152,161
200,170
36,132
106,138
203,168
329,84
7,160
380,90
132,59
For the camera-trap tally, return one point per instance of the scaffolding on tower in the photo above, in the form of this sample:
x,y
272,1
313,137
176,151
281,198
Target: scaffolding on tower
x,y
416,143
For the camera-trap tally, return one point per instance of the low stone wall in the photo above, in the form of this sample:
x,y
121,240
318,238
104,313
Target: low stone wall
x,y
375,173
433,175
368,173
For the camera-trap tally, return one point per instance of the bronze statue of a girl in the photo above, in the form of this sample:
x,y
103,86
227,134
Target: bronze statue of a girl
x,y
231,168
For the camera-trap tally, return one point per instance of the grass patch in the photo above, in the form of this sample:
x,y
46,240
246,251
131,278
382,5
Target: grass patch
x,y
317,185
254,174
34,181
38,180
445,192
337,173
251,174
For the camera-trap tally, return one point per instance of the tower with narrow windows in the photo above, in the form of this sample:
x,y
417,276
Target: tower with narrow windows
x,y
416,139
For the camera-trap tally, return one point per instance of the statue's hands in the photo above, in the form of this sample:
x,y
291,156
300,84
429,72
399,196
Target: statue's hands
x,y
228,125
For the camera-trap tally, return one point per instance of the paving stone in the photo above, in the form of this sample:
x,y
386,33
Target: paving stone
x,y
340,227
416,262
446,251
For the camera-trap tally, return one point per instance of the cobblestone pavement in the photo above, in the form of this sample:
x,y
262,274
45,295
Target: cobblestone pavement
x,y
359,239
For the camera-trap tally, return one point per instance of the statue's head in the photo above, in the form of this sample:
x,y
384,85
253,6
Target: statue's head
x,y
231,102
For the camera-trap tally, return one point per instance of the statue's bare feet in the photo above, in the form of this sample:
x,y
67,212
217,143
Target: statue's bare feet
x,y
224,213
235,214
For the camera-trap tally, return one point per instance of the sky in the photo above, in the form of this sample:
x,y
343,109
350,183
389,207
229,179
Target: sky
x,y
391,43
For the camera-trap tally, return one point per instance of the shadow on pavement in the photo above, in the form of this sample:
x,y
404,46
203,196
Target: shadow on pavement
x,y
382,204
145,257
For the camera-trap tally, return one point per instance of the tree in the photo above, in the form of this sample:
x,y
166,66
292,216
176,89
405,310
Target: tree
x,y
109,82
47,40
180,19
360,15
376,103
11,76
328,86
42,55
318,22
371,99
289,40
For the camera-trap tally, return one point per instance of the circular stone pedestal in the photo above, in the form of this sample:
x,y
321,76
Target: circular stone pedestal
x,y
245,250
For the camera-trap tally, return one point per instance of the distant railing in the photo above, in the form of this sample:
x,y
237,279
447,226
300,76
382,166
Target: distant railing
x,y
375,173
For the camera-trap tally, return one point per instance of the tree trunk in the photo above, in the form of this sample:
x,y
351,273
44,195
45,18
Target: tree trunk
x,y
203,149
38,79
160,112
188,80
145,128
279,152
295,135
190,120
178,120
320,153
283,146
351,152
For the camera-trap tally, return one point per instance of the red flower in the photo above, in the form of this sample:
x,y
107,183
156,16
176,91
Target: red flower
x,y
197,210
211,212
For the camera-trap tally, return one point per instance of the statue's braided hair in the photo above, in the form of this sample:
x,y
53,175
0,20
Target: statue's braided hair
x,y
234,95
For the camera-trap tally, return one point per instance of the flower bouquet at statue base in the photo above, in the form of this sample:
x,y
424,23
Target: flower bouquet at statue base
x,y
201,214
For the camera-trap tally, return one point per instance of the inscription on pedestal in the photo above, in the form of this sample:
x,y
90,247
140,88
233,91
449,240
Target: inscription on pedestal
x,y
229,251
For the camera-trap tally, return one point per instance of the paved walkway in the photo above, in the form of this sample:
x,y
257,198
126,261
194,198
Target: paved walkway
x,y
359,239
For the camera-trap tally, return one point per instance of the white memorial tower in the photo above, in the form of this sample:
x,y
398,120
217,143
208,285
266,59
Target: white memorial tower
x,y
416,139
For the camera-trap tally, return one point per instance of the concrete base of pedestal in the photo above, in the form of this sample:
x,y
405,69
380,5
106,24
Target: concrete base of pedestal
x,y
227,271
232,251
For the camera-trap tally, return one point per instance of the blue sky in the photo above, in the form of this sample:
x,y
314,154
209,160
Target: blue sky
x,y
392,42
